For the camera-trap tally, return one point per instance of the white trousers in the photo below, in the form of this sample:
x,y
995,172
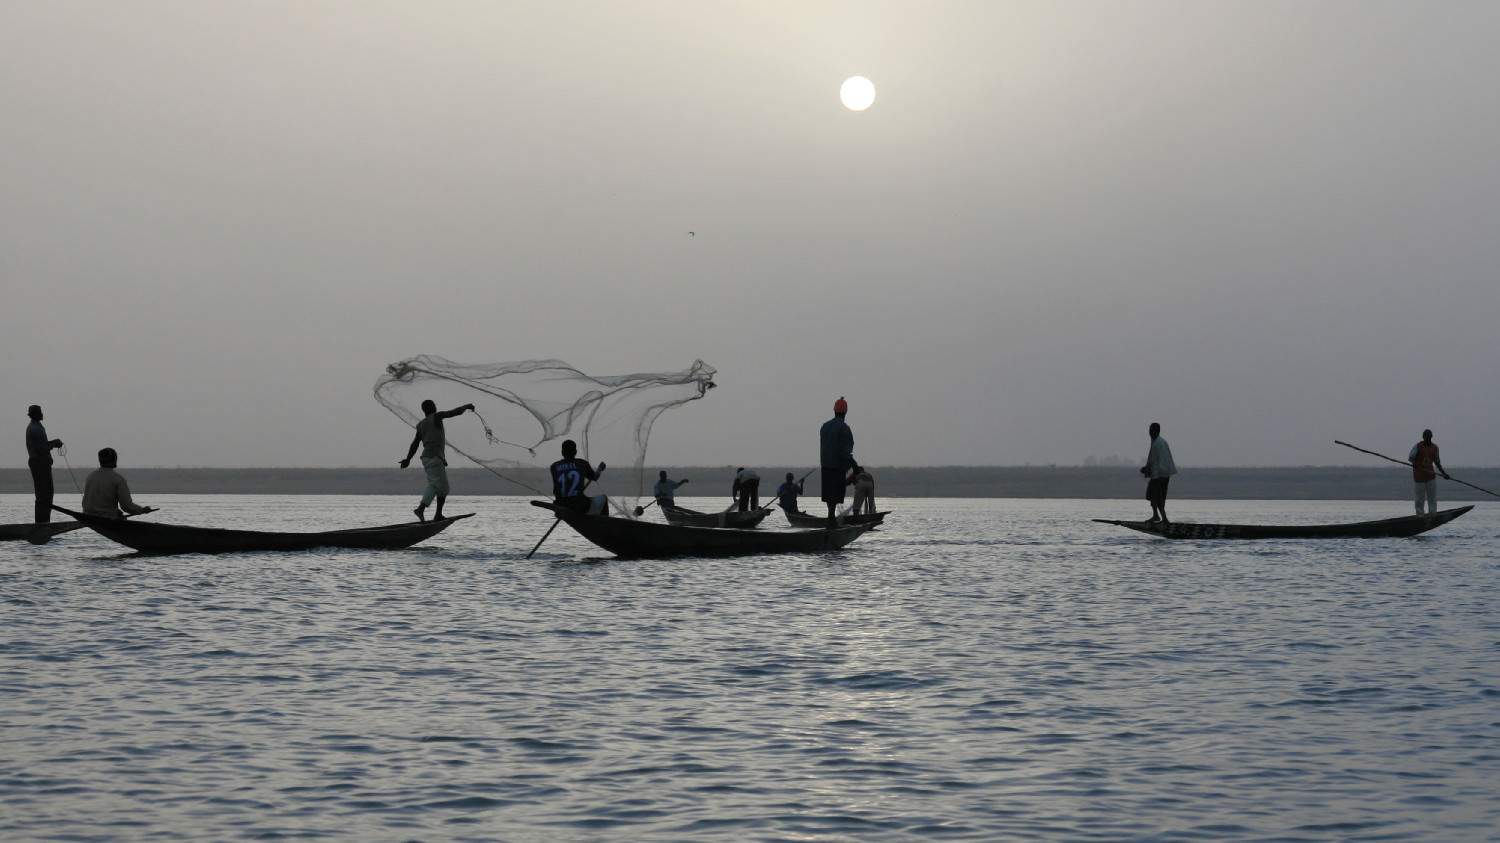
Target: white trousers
x,y
1427,492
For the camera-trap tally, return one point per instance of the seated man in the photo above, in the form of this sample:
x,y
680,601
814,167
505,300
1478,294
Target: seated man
x,y
106,493
570,476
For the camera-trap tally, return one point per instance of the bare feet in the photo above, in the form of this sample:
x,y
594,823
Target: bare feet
x,y
419,510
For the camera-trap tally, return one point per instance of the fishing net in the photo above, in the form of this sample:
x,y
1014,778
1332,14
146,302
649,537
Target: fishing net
x,y
523,411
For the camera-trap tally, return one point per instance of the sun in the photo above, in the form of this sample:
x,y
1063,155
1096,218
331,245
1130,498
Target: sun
x,y
857,93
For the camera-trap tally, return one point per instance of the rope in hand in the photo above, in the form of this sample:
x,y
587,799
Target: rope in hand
x,y
63,452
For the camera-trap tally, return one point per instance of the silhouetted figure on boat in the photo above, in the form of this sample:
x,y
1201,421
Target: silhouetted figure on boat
x,y
1158,470
434,442
1426,466
836,457
39,460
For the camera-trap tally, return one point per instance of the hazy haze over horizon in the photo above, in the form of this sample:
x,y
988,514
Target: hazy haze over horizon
x,y
1266,225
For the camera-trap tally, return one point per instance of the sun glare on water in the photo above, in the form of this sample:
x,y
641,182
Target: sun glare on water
x,y
857,93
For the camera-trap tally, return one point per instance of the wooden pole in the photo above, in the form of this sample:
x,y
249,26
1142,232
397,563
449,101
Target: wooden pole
x,y
544,536
1405,463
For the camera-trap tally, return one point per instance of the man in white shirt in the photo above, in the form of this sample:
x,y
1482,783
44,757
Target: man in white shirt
x,y
1158,469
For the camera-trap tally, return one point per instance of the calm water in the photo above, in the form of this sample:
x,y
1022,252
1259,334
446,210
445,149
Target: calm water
x,y
976,670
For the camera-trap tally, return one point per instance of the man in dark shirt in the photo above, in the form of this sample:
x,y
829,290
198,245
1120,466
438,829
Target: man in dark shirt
x,y
787,494
570,476
39,460
836,455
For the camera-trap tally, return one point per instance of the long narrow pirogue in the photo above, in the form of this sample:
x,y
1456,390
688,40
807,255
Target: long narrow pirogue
x,y
165,539
632,539
683,517
808,519
1386,528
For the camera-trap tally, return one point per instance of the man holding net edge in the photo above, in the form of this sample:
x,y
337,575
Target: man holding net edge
x,y
434,441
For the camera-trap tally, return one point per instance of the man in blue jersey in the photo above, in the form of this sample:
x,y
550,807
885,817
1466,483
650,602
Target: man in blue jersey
x,y
836,457
571,476
434,441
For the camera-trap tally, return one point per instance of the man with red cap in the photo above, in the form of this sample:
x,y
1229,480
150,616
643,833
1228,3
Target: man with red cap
x,y
836,456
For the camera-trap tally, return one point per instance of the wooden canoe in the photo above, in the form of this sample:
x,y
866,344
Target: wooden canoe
x,y
165,539
1385,528
629,539
807,519
36,533
730,518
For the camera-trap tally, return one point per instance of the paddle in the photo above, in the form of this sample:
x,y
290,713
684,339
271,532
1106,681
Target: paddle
x,y
1405,463
544,536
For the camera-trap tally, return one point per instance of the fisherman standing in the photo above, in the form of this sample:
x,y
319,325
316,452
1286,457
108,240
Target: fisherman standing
x,y
836,457
434,441
1425,468
39,460
1158,470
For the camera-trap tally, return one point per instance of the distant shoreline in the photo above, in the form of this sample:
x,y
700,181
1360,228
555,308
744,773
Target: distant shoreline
x,y
1088,482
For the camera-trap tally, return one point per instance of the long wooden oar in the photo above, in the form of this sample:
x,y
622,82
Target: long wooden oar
x,y
1405,463
544,537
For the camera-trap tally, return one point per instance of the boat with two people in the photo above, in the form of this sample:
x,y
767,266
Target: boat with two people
x,y
632,539
158,539
1385,528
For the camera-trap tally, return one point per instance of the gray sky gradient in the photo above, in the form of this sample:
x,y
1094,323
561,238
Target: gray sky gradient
x,y
1264,224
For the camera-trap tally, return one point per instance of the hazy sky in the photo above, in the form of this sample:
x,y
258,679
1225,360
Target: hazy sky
x,y
1264,224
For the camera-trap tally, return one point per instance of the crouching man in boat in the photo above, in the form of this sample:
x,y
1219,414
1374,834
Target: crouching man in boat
x,y
570,476
106,493
864,491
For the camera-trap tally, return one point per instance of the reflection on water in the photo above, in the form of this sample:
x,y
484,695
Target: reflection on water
x,y
977,669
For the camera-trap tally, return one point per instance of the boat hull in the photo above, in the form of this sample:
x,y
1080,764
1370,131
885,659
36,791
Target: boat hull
x,y
167,539
1387,528
36,533
807,519
730,518
629,539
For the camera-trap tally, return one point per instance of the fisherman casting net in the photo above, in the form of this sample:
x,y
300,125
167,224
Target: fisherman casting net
x,y
524,411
